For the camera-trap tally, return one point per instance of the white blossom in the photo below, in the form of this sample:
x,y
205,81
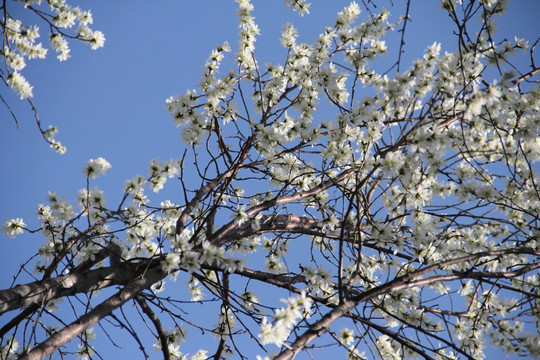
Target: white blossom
x,y
96,167
13,227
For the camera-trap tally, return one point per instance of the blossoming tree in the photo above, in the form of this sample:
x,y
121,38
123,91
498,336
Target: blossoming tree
x,y
405,226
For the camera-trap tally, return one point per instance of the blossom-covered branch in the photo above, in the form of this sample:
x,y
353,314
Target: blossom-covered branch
x,y
402,224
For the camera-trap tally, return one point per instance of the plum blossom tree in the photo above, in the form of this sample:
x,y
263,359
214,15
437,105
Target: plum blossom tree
x,y
406,226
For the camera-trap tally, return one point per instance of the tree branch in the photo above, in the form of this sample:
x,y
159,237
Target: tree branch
x,y
63,336
157,324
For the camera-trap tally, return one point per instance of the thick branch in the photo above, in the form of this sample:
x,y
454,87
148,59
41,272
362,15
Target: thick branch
x,y
65,335
39,292
268,223
220,237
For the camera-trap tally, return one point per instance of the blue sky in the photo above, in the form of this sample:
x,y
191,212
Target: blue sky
x,y
110,102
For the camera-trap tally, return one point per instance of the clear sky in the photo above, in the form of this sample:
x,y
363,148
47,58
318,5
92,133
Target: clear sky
x,y
110,102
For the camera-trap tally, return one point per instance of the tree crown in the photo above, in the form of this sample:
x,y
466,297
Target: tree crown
x,y
404,224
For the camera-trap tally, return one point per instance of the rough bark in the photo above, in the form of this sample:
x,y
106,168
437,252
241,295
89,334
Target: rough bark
x,y
65,335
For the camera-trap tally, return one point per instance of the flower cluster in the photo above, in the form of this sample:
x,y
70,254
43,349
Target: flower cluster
x,y
13,227
21,43
49,135
96,167
160,171
285,319
248,35
300,6
388,349
8,350
22,40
